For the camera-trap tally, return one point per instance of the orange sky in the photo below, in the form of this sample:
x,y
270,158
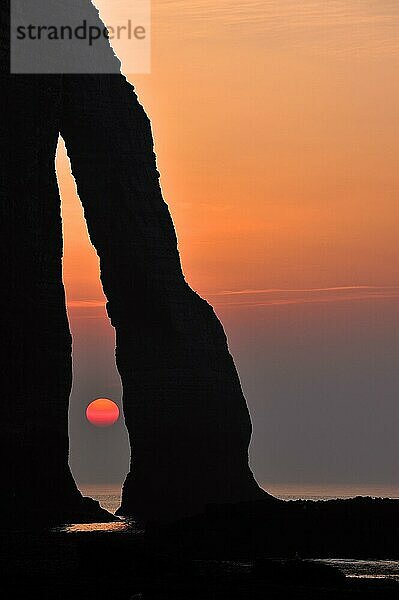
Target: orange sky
x,y
277,139
277,136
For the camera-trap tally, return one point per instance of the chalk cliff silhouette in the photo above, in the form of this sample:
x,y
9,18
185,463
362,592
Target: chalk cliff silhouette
x,y
185,411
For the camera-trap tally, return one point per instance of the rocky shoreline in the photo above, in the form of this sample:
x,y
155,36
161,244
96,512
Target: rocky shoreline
x,y
360,527
243,551
120,566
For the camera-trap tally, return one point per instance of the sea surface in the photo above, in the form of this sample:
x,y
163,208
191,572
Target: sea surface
x,y
109,497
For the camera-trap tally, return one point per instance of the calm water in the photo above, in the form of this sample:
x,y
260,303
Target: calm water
x,y
329,492
109,498
365,569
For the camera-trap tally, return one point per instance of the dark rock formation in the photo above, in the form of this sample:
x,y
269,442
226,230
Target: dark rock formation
x,y
102,566
297,572
36,368
186,415
363,528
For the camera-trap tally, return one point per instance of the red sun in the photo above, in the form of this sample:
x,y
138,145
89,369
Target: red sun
x,y
102,412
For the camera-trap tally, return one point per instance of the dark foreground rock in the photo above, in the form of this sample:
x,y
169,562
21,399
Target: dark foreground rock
x,y
297,572
243,552
356,528
79,509
120,566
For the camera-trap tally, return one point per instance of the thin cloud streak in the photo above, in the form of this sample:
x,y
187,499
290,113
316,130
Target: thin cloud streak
x,y
336,26
284,13
273,297
326,289
86,303
283,297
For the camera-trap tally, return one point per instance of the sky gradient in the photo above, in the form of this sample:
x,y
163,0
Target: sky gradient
x,y
276,133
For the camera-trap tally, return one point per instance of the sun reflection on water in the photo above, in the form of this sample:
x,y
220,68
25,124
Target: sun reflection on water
x,y
115,526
